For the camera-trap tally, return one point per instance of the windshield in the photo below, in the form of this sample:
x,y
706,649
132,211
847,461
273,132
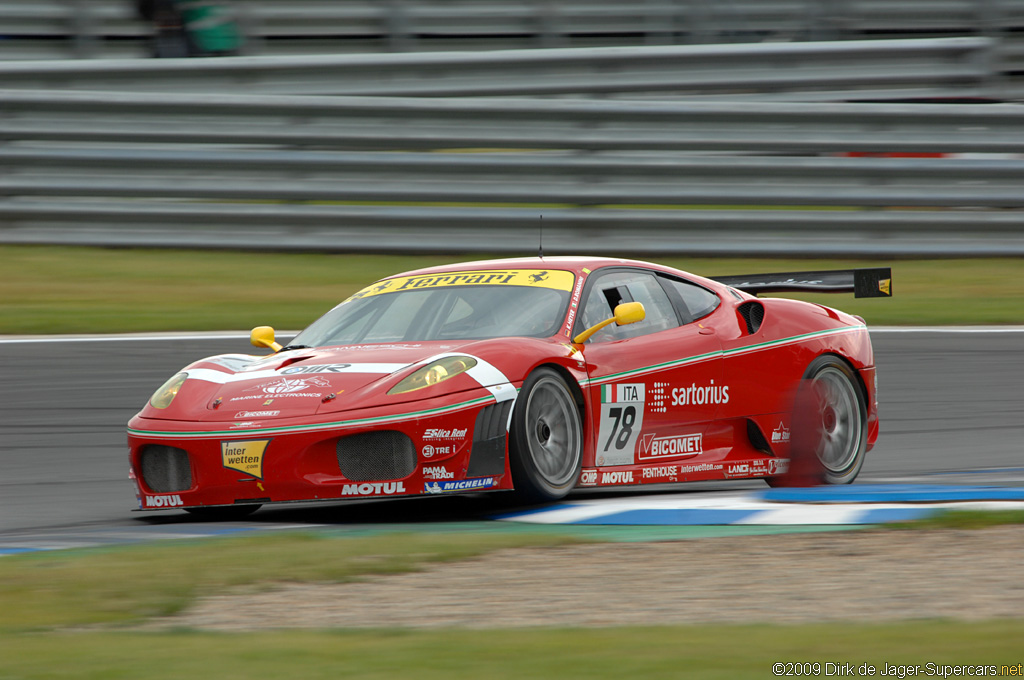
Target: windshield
x,y
452,312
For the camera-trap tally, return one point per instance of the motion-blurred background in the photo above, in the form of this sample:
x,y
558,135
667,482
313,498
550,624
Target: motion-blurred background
x,y
696,127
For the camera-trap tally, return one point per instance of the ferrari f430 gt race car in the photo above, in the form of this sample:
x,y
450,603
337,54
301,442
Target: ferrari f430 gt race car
x,y
539,375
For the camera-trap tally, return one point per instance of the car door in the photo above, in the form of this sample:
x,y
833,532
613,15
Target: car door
x,y
654,385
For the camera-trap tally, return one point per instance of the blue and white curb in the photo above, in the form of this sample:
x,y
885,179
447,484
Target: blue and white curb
x,y
830,505
94,538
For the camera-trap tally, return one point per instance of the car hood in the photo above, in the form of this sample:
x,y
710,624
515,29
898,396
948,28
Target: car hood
x,y
238,387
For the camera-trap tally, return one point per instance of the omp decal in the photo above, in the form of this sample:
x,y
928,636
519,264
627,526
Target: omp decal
x,y
698,358
245,456
339,424
344,368
316,368
622,419
542,278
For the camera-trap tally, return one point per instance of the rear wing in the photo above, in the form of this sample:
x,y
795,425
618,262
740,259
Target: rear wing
x,y
860,282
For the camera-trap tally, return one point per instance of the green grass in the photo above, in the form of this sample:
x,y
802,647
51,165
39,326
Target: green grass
x,y
963,519
48,289
125,585
71,614
718,651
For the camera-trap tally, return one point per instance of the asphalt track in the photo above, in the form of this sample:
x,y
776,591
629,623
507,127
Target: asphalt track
x,y
952,412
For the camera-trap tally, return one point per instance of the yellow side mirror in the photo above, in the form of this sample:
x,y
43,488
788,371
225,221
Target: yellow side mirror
x,y
263,336
626,313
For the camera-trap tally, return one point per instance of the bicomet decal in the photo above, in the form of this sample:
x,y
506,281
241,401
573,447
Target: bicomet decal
x,y
540,278
245,456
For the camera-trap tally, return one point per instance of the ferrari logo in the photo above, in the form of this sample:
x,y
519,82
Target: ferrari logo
x,y
885,286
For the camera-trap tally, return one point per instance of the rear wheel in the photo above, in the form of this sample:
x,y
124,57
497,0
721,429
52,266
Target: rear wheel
x,y
829,424
546,444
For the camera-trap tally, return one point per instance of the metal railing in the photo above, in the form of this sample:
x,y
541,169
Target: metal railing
x,y
950,67
111,28
412,123
349,173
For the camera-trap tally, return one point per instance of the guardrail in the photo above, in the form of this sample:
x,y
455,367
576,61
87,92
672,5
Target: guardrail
x,y
111,28
608,177
951,67
411,123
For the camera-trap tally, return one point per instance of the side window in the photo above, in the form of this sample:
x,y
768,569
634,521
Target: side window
x,y
698,302
628,286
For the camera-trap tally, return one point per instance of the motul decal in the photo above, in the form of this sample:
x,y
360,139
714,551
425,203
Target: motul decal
x,y
164,501
373,489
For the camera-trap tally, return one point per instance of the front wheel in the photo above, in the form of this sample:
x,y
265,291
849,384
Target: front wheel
x,y
546,444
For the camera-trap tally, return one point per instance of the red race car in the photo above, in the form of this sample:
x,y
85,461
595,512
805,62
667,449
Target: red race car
x,y
538,375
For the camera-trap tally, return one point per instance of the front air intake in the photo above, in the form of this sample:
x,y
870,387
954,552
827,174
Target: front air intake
x,y
165,469
489,441
376,456
753,315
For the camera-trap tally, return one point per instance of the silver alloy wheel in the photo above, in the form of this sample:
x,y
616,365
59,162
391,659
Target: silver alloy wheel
x,y
553,431
840,420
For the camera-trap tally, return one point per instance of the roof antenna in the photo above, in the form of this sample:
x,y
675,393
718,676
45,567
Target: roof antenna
x,y
540,248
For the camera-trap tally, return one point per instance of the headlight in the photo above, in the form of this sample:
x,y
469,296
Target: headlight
x,y
433,373
163,397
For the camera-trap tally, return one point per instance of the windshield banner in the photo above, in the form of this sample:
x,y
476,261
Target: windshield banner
x,y
537,278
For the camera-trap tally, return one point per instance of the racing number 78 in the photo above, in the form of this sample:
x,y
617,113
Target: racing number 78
x,y
624,417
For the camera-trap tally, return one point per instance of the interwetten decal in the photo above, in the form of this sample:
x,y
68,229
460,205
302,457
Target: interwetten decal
x,y
245,456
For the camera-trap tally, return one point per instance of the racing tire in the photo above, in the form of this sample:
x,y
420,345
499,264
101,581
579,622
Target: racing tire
x,y
829,425
223,513
546,438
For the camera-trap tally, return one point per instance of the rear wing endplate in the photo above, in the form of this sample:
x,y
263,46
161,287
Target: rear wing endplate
x,y
861,282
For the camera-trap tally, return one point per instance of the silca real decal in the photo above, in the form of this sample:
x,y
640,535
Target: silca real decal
x,y
622,418
246,456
